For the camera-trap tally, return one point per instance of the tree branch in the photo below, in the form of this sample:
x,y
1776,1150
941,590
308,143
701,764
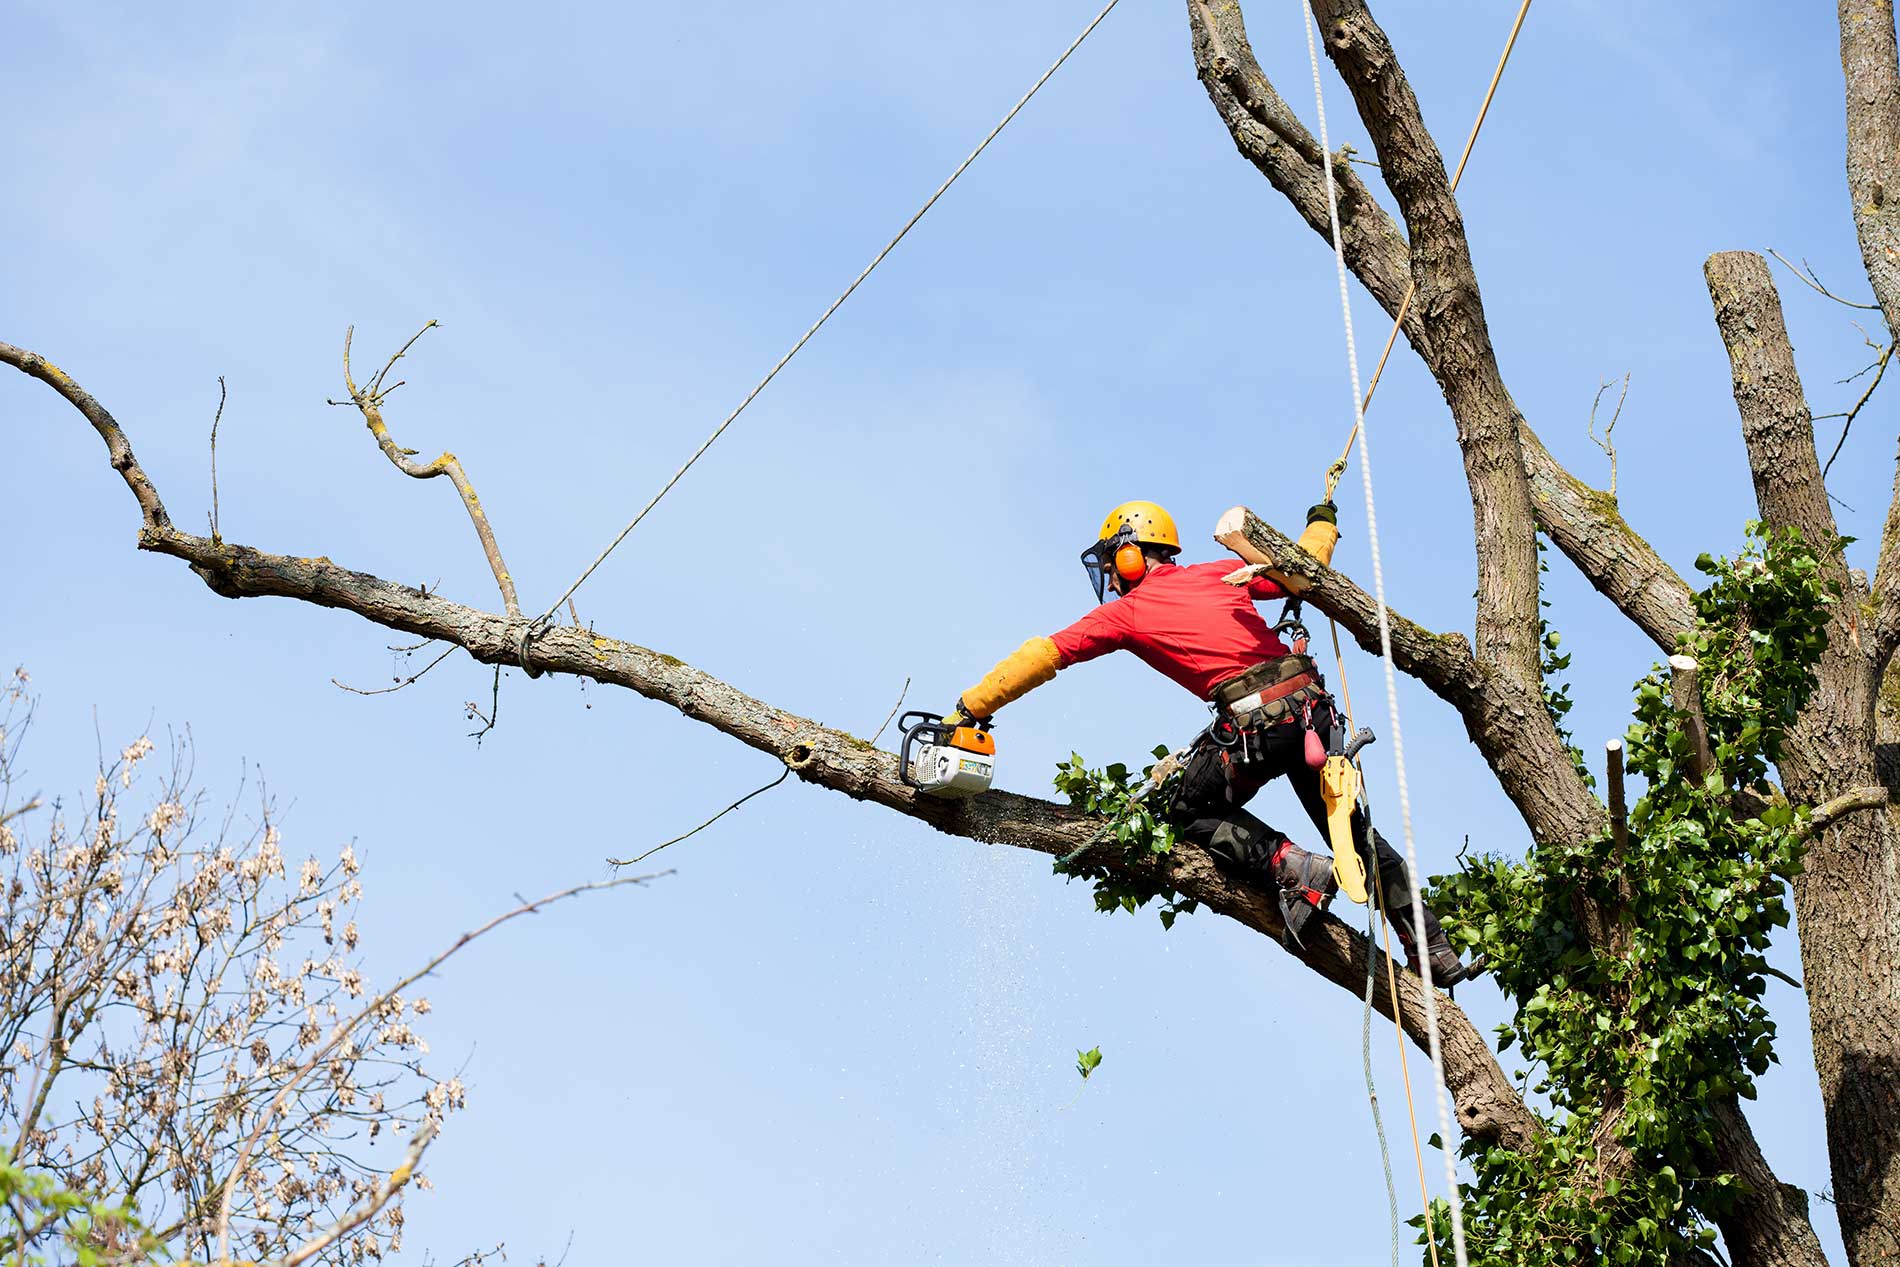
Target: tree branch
x,y
1587,526
117,446
1489,1106
1769,1223
1774,409
1873,144
386,1188
369,401
1584,524
1853,801
1505,719
1271,137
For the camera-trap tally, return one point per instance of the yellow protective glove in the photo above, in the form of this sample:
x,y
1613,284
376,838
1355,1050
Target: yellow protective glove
x,y
1322,532
1019,673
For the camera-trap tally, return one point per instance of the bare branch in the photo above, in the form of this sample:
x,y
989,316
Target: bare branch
x,y
1806,274
1823,816
1607,444
346,1028
1879,368
1619,806
369,401
215,420
1774,410
879,732
14,813
1271,137
370,1206
408,681
486,718
117,446
616,862
1873,144
1618,561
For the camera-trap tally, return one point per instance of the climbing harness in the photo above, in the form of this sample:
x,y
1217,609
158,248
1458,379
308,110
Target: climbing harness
x,y
1434,1046
540,622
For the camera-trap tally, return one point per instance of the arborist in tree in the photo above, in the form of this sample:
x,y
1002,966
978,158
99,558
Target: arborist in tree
x,y
1192,626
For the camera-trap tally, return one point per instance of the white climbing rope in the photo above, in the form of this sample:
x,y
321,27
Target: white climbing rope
x,y
1309,20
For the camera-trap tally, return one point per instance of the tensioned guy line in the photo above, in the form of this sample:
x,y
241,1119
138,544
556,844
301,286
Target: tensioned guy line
x,y
836,304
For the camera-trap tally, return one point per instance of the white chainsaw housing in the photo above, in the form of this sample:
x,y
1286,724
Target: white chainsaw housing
x,y
952,773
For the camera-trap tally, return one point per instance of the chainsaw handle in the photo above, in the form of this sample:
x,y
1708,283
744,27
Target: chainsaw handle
x,y
928,725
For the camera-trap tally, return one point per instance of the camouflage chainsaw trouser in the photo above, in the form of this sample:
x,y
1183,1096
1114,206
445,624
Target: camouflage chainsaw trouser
x,y
1217,783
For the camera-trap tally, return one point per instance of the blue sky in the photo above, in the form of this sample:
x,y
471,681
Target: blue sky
x,y
835,1036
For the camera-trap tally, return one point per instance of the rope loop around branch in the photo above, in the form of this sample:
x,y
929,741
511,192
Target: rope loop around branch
x,y
529,633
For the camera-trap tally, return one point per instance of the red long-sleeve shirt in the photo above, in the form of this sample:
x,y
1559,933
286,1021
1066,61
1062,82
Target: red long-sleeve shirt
x,y
1184,622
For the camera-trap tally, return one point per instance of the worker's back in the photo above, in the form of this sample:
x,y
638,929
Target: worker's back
x,y
1185,622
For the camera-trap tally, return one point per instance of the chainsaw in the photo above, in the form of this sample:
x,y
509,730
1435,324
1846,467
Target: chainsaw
x,y
939,759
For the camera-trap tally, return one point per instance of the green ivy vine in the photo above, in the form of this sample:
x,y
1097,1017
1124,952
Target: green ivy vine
x,y
1632,1039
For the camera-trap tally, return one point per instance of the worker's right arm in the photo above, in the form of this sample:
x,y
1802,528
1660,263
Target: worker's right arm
x,y
1036,661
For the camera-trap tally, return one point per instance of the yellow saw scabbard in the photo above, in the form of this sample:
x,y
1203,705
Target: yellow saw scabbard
x,y
1339,788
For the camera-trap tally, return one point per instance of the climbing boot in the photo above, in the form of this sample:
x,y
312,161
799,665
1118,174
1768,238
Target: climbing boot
x,y
1447,971
1306,885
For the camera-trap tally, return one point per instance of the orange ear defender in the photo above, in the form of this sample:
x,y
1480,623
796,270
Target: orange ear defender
x,y
1130,563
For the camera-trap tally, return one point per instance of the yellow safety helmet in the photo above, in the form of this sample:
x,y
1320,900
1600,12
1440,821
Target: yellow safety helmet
x,y
1117,548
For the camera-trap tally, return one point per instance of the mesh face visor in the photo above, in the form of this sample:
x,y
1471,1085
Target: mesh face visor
x,y
1099,560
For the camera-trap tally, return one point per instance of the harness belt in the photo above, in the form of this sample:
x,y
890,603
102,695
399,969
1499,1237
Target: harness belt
x,y
1270,691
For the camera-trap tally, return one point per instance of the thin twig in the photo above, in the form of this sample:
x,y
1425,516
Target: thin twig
x,y
617,862
1814,281
1606,443
12,814
1776,972
376,391
1880,371
215,419
894,707
346,1028
411,679
1875,1214
487,718
371,1205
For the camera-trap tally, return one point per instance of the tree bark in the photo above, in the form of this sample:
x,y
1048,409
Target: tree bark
x,y
1584,524
1508,723
1771,1226
1847,896
1872,74
1514,482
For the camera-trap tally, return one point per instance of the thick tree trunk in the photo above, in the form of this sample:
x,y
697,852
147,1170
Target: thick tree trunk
x,y
1847,896
1495,688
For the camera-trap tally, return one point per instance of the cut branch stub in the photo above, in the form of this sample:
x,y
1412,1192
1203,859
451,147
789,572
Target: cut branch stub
x,y
1686,692
1619,808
